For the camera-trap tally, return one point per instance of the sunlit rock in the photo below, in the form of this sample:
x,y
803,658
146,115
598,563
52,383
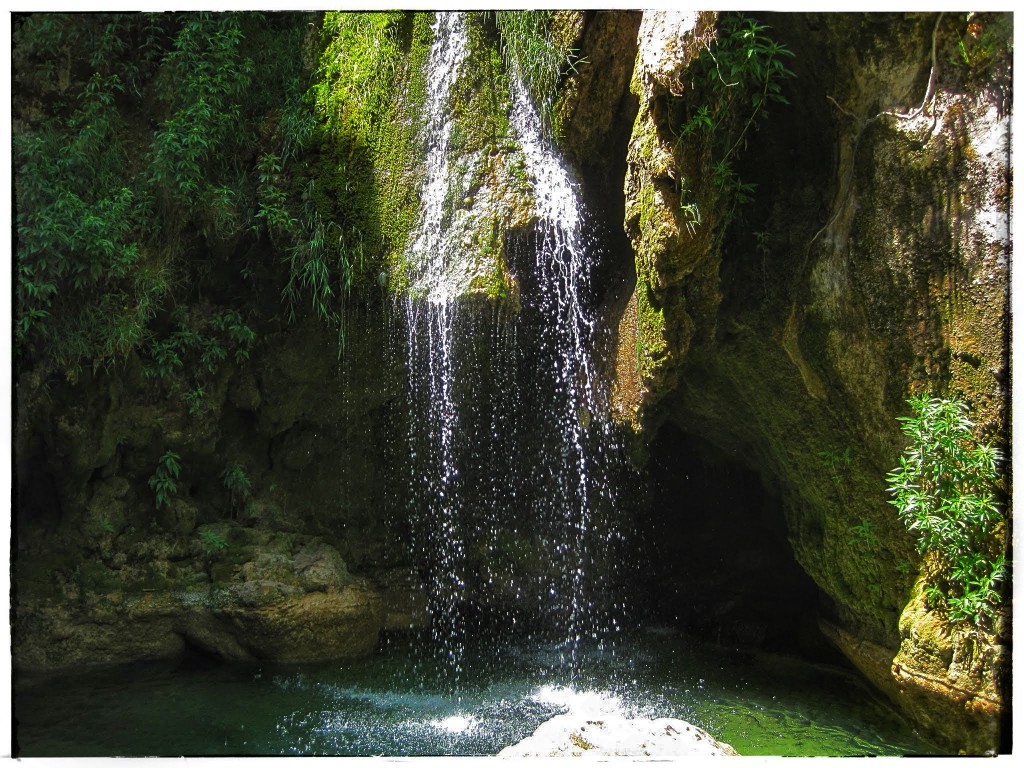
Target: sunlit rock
x,y
613,735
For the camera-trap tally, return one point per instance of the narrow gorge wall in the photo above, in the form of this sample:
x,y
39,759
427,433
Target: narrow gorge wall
x,y
872,263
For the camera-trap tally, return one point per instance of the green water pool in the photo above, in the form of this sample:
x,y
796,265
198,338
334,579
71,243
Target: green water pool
x,y
405,702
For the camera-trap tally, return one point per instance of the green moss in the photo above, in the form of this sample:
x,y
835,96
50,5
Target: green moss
x,y
648,219
566,27
650,333
398,154
653,227
749,397
371,99
480,97
95,577
362,67
531,50
496,284
37,576
580,742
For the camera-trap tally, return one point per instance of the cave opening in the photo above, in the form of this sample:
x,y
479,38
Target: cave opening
x,y
718,564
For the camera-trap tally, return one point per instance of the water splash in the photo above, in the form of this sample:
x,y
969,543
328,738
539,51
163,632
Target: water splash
x,y
459,723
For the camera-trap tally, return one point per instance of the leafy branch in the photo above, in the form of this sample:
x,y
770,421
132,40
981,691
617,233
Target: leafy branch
x,y
163,481
944,491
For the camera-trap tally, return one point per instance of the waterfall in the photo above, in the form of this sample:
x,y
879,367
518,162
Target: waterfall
x,y
578,468
472,485
442,263
435,495
440,274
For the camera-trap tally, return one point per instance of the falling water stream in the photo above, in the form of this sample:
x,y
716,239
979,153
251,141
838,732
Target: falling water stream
x,y
562,270
442,272
564,468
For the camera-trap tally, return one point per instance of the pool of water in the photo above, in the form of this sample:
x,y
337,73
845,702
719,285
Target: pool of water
x,y
404,702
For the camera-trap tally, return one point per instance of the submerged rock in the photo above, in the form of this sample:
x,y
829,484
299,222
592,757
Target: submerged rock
x,y
613,735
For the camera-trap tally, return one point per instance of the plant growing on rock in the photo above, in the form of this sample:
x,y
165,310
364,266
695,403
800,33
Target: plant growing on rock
x,y
194,400
944,491
864,536
739,74
212,542
238,483
150,149
103,526
533,52
834,460
985,46
163,482
185,360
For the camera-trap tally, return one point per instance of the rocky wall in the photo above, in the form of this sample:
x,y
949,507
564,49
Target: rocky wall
x,y
871,264
301,561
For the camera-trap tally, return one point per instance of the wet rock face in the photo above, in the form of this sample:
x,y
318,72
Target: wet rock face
x,y
872,263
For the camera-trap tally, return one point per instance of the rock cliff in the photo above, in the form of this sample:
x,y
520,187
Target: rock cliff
x,y
872,262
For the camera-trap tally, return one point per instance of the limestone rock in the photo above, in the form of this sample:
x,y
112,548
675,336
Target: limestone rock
x,y
950,679
179,516
613,735
319,567
49,637
660,320
316,626
872,264
591,98
272,596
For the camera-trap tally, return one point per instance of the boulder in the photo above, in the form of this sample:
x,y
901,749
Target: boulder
x,y
613,735
316,626
272,597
